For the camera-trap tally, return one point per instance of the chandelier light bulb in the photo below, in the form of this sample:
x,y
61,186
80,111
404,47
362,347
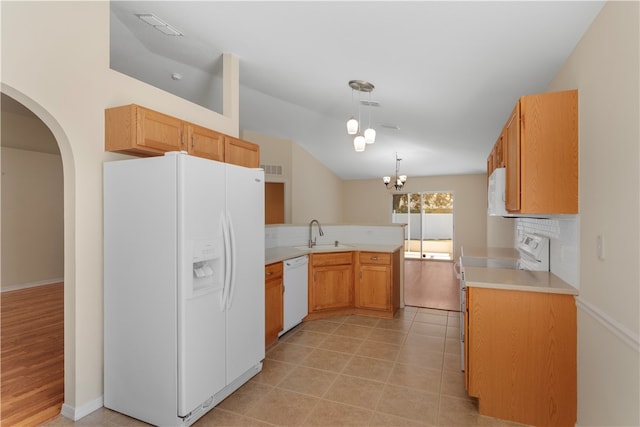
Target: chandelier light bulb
x,y
359,143
352,126
386,179
370,136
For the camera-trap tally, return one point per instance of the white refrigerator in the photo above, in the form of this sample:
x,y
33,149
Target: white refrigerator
x,y
183,285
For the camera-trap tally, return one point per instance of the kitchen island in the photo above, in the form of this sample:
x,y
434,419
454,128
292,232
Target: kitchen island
x,y
520,345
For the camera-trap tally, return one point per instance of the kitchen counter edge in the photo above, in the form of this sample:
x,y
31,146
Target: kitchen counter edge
x,y
517,280
287,252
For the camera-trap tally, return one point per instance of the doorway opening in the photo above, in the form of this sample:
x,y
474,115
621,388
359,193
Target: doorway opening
x,y
32,368
428,217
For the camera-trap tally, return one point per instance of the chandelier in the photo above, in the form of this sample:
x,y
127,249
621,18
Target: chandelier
x,y
399,180
354,127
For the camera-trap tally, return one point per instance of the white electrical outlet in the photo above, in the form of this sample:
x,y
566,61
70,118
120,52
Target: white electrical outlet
x,y
600,247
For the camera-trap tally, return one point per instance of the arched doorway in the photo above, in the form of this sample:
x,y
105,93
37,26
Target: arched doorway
x,y
37,279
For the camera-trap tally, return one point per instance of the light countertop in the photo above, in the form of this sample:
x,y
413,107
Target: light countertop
x,y
489,252
286,252
517,280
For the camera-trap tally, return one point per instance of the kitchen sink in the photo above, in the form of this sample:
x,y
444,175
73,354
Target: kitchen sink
x,y
328,248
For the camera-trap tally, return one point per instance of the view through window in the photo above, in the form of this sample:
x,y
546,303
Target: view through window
x,y
429,224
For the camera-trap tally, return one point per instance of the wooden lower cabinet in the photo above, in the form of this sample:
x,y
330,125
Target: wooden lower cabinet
x,y
274,302
330,281
376,287
521,355
366,283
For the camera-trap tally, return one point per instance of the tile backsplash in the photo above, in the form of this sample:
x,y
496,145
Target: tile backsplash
x,y
564,235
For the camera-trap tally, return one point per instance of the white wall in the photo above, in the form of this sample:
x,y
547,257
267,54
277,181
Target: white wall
x,y
316,191
312,191
275,152
55,61
500,232
369,202
32,218
605,69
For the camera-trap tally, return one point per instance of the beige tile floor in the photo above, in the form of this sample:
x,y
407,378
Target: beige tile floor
x,y
350,371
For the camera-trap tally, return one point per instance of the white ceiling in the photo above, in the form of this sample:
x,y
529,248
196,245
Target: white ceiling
x,y
446,73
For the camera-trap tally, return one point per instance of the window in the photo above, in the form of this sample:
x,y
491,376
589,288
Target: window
x,y
429,224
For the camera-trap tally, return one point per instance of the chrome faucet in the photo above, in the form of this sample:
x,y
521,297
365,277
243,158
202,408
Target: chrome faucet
x,y
312,242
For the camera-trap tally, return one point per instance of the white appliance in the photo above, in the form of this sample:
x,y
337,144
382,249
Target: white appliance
x,y
496,201
183,285
296,291
534,252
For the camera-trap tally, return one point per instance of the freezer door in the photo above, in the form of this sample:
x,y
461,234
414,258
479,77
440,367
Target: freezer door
x,y
245,308
201,261
140,272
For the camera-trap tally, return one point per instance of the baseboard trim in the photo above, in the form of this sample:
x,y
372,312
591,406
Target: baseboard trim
x,y
31,284
617,328
75,414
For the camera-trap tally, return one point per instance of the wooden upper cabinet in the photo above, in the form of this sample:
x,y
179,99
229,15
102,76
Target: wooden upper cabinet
x,y
139,131
540,154
512,160
241,152
203,142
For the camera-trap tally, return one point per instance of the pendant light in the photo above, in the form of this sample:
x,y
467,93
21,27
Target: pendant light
x,y
354,127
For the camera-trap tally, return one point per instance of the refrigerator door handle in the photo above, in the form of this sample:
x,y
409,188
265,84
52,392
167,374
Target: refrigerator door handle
x,y
227,262
232,251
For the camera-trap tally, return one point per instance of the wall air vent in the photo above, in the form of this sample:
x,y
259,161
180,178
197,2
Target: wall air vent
x,y
272,169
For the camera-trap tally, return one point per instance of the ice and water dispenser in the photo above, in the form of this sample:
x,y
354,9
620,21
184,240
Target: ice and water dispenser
x,y
207,266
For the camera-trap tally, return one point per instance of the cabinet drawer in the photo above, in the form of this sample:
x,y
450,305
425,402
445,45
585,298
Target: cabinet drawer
x,y
331,258
273,271
375,258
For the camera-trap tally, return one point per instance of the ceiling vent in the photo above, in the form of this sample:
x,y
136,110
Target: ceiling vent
x,y
158,24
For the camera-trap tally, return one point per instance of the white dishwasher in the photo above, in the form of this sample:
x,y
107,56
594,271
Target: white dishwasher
x,y
296,291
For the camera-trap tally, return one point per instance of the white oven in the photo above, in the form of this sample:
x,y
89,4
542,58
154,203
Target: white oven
x,y
534,252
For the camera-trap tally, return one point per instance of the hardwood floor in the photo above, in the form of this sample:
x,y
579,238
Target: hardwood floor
x,y
32,355
431,284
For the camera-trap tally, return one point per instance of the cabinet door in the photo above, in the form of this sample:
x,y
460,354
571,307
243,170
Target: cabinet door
x,y
159,132
203,142
331,287
241,153
511,149
522,355
274,302
374,287
273,309
549,153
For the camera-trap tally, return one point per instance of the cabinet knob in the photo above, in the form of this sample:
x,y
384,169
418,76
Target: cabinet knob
x,y
374,258
270,273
